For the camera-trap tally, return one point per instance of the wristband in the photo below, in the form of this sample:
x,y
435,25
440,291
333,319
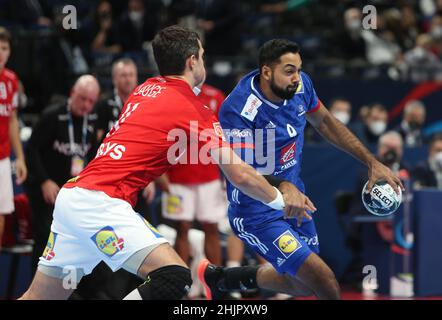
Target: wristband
x,y
278,202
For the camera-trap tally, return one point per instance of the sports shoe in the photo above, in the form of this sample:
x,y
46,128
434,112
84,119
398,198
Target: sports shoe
x,y
209,274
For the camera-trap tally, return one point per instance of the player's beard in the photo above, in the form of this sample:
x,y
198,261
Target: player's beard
x,y
283,93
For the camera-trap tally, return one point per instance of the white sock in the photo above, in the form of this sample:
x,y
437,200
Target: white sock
x,y
134,295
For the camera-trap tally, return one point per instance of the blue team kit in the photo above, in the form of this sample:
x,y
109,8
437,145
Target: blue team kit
x,y
269,137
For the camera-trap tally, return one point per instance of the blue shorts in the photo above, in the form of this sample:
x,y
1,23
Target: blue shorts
x,y
279,241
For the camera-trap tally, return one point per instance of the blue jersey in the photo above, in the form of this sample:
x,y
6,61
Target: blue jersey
x,y
266,135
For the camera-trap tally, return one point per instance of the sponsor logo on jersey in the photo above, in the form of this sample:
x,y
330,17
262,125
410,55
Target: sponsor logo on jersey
x,y
250,109
280,261
49,253
301,110
107,241
236,133
288,153
310,241
218,130
287,244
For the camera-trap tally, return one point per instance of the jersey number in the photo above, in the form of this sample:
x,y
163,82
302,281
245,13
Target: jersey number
x,y
291,131
131,107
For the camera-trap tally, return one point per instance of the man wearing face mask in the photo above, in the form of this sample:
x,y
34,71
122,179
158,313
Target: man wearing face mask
x,y
138,24
429,174
340,108
349,41
411,126
374,125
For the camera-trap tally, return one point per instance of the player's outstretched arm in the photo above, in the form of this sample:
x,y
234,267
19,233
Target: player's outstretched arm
x,y
339,135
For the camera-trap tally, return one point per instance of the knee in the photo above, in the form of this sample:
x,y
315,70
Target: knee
x,y
166,283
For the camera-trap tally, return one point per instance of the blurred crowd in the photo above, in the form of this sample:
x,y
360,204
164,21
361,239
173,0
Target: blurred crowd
x,y
112,42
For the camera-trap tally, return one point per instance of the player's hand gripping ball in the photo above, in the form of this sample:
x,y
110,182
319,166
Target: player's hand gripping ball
x,y
382,200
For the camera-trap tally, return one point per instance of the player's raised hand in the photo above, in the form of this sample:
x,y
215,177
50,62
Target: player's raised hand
x,y
296,203
379,172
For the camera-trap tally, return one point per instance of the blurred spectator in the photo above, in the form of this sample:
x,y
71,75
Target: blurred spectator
x,y
219,21
348,43
124,80
100,32
62,143
436,34
429,173
412,123
374,125
340,108
403,23
138,24
380,43
9,131
25,13
420,64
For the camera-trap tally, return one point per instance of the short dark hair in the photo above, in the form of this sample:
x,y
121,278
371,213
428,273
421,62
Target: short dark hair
x,y
172,46
125,61
5,35
272,50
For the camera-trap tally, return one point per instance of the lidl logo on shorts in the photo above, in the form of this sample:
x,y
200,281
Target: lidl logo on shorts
x,y
287,244
49,253
107,241
151,228
173,205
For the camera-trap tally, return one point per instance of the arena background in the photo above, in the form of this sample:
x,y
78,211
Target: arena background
x,y
48,58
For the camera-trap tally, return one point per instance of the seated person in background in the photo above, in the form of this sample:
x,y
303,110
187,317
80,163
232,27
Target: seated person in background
x,y
100,32
373,126
412,123
429,173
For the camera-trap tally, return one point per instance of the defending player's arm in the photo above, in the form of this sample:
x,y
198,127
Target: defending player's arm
x,y
339,135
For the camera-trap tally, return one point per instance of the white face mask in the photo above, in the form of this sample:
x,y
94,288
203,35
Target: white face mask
x,y
135,15
342,116
377,127
354,24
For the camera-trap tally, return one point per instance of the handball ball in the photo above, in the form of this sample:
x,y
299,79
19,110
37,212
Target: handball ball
x,y
382,200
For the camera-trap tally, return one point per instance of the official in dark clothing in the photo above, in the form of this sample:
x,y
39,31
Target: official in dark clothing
x,y
124,80
62,143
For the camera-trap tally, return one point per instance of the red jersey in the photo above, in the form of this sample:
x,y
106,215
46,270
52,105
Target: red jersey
x,y
160,120
8,102
199,173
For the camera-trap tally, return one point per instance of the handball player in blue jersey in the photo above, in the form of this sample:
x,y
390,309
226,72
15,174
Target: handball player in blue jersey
x,y
263,119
